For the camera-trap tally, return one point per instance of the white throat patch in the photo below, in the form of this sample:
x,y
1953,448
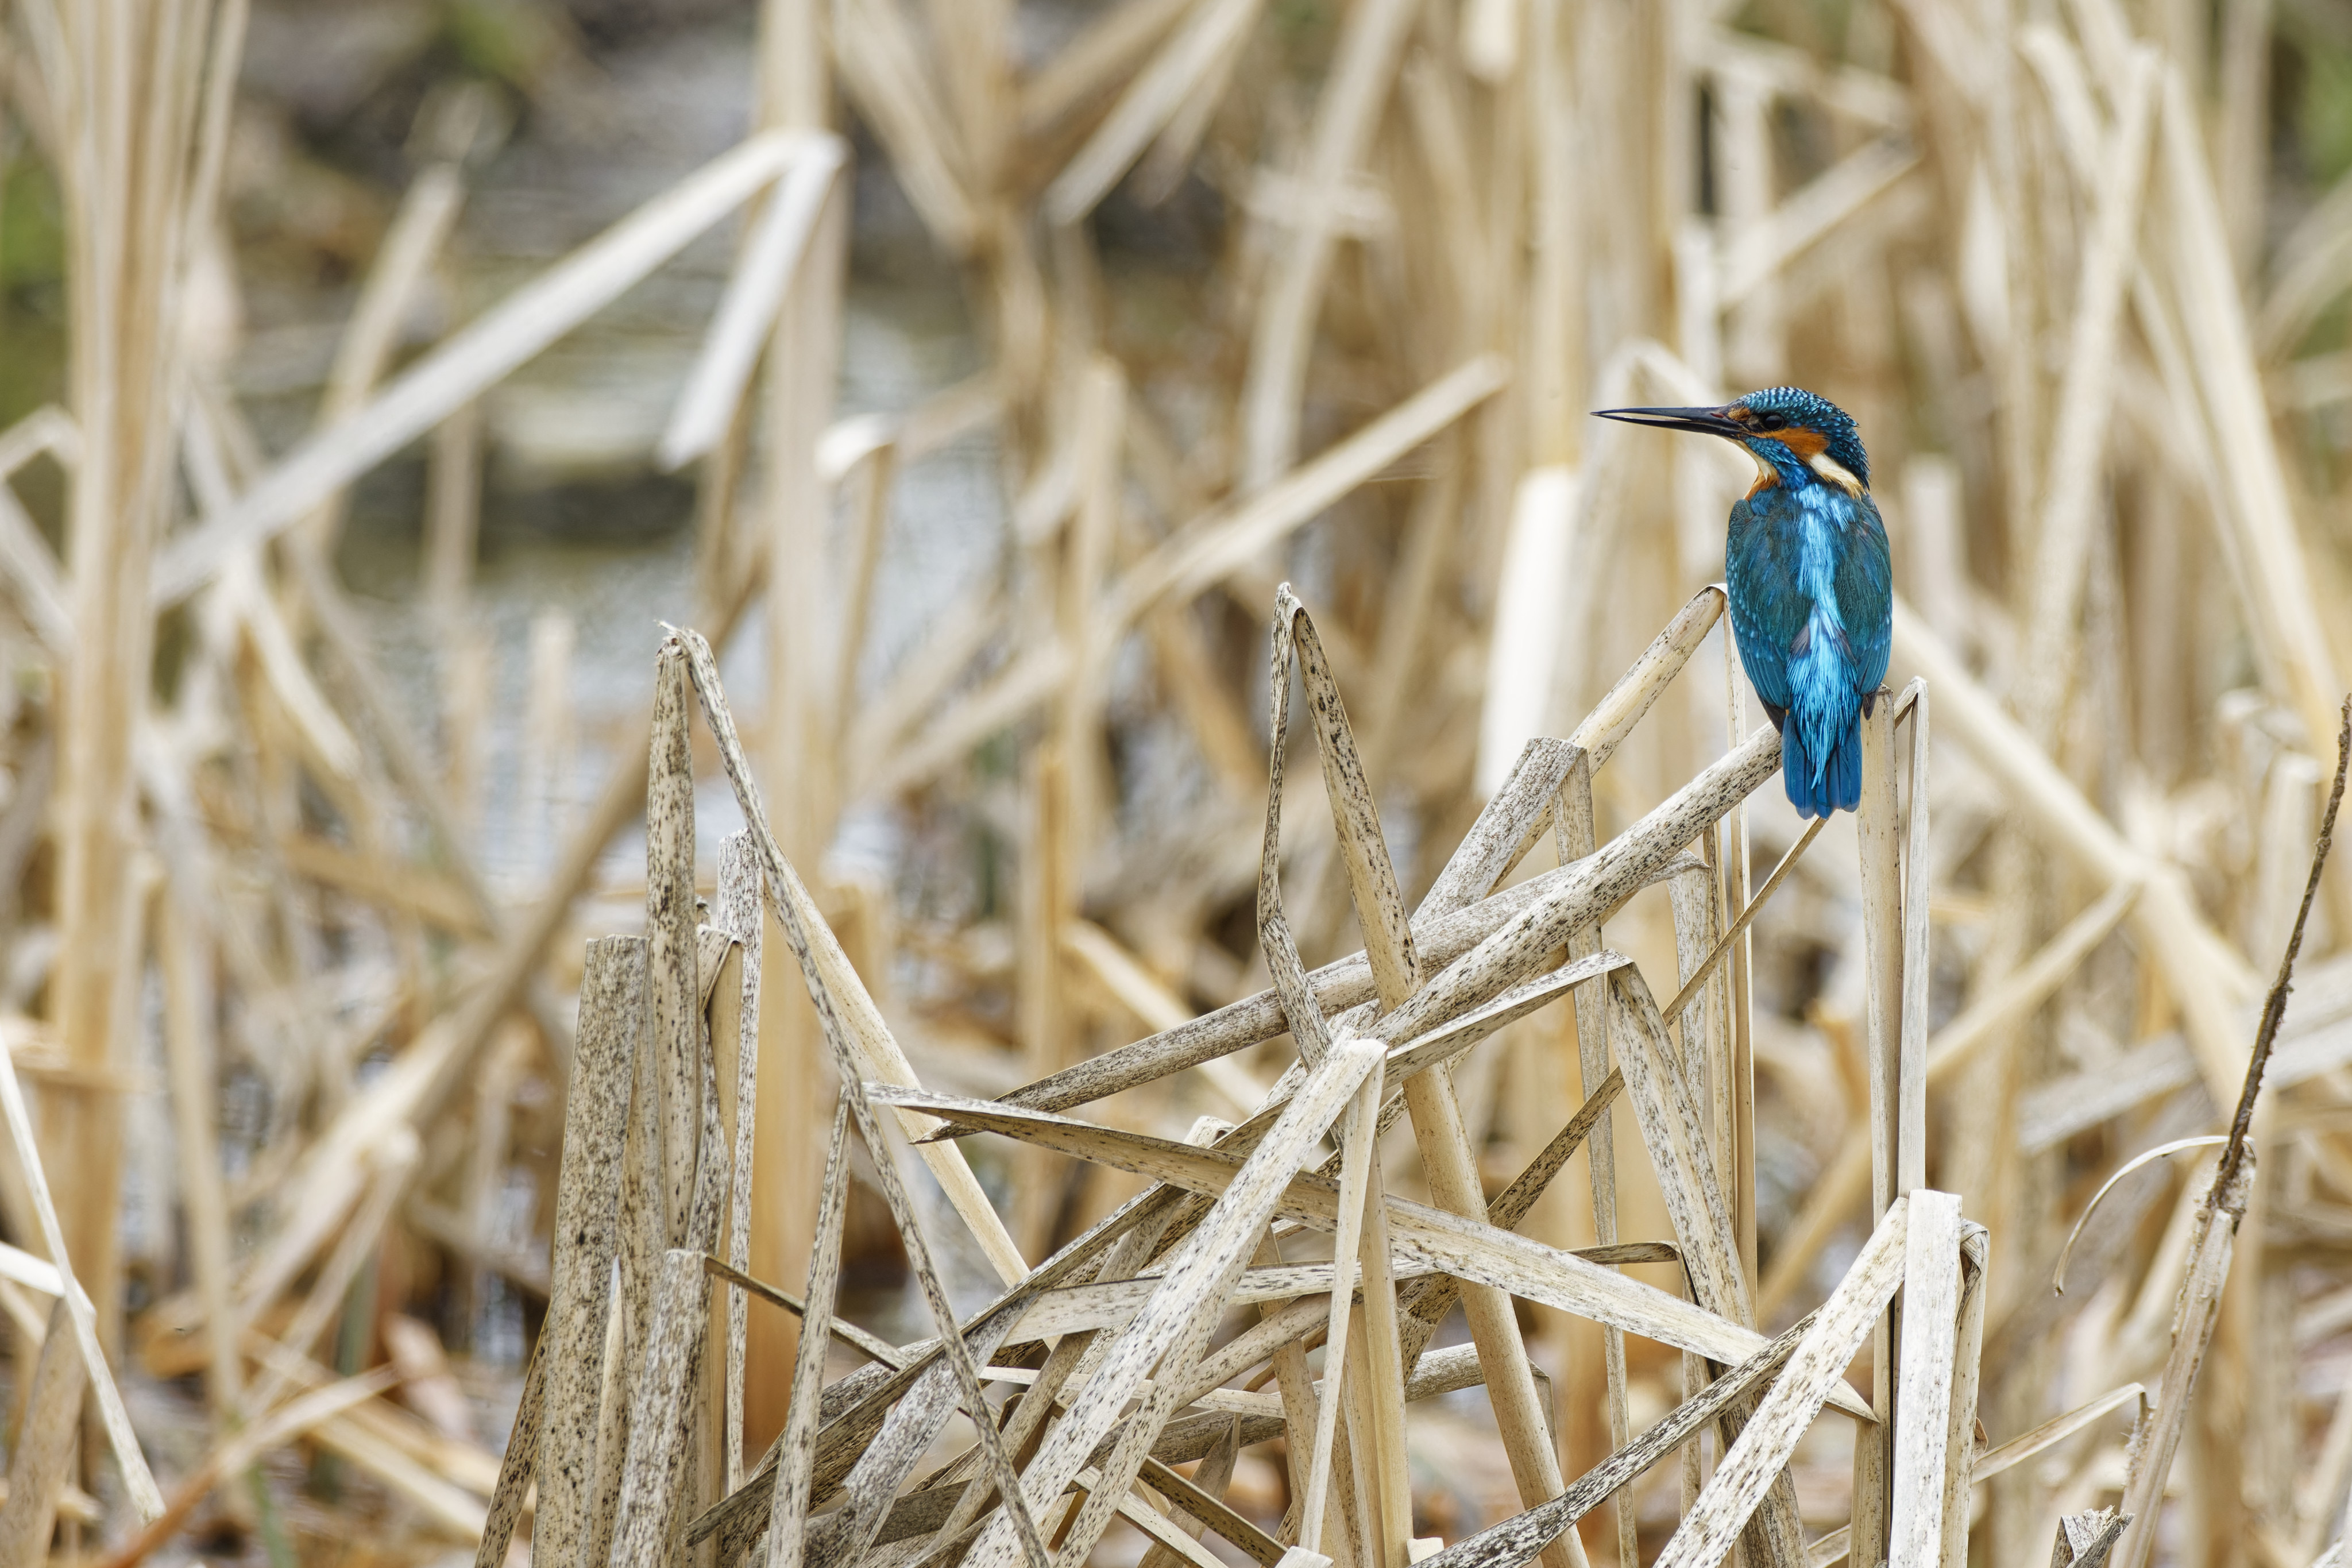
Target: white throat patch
x,y
1837,473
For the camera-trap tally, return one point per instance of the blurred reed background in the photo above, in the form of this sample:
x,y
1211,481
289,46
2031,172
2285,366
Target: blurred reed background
x,y
377,378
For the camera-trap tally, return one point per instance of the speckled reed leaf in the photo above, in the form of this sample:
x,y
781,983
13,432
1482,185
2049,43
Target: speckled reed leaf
x,y
740,914
43,1452
662,1417
1587,891
586,1240
664,1385
1426,1302
798,917
796,1446
1574,837
1172,1325
855,1407
1816,1369
1931,1309
1112,1303
518,1465
1519,1539
1355,1186
1673,1130
1445,1242
1363,849
1301,1010
672,979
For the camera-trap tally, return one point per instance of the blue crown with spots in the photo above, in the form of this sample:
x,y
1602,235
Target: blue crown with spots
x,y
1810,411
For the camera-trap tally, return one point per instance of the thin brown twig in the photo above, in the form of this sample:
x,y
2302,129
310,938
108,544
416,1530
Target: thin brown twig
x,y
2274,1006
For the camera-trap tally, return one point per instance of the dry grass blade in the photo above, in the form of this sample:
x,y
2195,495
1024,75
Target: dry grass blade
x,y
1517,1540
747,309
672,1119
782,886
38,1461
1897,1155
279,1426
1371,878
1355,1178
2220,1213
825,965
796,1452
518,1468
2055,1430
1513,952
1575,836
1700,975
146,1500
454,375
588,1195
1447,1158
662,1423
1299,1008
1444,1242
1816,1369
2138,1162
1674,1129
1173,1326
1931,1305
740,912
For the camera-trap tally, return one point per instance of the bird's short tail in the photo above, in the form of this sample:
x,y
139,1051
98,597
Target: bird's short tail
x,y
1832,785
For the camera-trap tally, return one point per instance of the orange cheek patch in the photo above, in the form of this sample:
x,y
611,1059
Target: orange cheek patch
x,y
1807,444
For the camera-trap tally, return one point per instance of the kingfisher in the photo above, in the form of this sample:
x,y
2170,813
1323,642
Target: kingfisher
x,y
1813,597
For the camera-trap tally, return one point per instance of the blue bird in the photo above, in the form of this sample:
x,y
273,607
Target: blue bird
x,y
1813,599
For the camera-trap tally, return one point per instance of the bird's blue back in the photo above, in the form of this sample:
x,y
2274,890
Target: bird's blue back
x,y
1812,608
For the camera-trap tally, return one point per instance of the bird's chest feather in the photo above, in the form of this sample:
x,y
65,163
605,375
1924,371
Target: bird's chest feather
x,y
1785,549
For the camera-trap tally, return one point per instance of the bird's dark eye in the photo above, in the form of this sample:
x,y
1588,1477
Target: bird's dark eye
x,y
1772,422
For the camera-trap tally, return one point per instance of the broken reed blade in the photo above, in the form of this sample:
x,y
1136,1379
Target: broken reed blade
x,y
1445,1242
1582,893
1816,1368
1209,1262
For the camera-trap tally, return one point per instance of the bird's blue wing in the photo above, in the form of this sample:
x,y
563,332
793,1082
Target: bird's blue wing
x,y
1865,585
1768,607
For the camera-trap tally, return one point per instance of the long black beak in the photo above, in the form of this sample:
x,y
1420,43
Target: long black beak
x,y
1706,421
